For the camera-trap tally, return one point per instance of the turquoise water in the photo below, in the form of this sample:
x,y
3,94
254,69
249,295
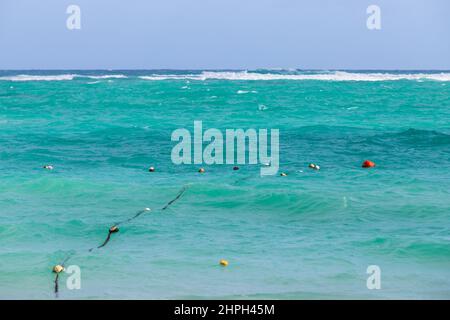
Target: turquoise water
x,y
309,235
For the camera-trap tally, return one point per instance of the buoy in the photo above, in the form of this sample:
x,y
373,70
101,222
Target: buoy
x,y
48,167
151,169
58,268
223,262
114,229
235,168
314,166
283,174
201,170
368,164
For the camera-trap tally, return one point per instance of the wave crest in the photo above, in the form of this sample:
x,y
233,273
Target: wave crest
x,y
60,77
330,76
248,76
25,77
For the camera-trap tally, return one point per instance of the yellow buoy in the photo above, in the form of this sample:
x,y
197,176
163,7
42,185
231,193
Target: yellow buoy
x,y
58,268
223,262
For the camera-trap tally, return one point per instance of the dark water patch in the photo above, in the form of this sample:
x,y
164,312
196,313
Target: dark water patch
x,y
413,138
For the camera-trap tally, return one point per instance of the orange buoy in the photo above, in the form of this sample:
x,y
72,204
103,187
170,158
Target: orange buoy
x,y
368,164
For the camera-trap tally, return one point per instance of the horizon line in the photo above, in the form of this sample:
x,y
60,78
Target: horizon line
x,y
224,69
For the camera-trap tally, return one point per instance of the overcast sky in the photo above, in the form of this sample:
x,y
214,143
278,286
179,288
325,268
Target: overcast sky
x,y
224,34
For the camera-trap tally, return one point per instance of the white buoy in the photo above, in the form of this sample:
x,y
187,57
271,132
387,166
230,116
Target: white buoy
x,y
314,166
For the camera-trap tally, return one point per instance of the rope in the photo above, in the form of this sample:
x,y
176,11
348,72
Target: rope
x,y
114,229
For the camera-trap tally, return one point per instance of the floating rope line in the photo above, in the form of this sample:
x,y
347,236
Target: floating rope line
x,y
133,217
58,269
113,229
56,285
242,179
180,194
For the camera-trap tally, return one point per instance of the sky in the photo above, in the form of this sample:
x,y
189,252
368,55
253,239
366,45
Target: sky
x,y
225,34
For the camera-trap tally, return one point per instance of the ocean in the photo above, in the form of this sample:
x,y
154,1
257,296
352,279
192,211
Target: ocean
x,y
309,235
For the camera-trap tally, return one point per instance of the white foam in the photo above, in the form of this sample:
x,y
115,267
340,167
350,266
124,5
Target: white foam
x,y
170,77
60,77
25,77
106,76
245,91
248,76
331,76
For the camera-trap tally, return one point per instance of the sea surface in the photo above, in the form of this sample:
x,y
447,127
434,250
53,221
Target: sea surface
x,y
308,235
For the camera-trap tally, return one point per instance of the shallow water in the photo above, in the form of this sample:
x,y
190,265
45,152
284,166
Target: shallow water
x,y
309,235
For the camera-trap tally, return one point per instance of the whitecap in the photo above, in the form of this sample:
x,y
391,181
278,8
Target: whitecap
x,y
325,76
106,76
59,77
26,77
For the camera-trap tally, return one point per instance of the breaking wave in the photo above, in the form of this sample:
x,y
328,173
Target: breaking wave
x,y
266,75
25,77
107,76
59,77
331,76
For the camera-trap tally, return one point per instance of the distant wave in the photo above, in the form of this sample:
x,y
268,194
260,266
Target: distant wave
x,y
59,77
266,75
158,77
332,76
107,76
25,77
415,138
